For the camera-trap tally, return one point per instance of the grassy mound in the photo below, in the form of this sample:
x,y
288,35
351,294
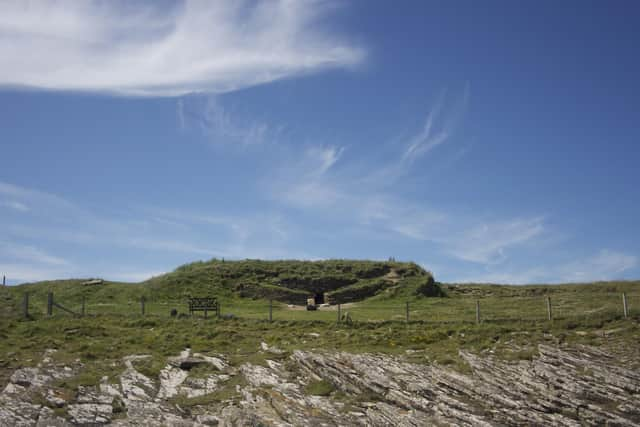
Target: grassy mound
x,y
286,281
370,291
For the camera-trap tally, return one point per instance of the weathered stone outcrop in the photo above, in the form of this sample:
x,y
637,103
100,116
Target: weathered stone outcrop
x,y
358,291
569,386
266,291
317,284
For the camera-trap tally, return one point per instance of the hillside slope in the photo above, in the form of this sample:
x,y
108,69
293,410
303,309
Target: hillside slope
x,y
334,281
375,291
287,281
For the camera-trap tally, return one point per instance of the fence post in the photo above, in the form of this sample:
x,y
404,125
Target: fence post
x,y
406,310
4,280
50,304
339,316
270,310
549,313
625,308
478,311
142,301
25,305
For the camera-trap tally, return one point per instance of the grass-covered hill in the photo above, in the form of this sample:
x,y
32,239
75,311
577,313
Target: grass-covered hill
x,y
333,281
390,309
286,281
374,291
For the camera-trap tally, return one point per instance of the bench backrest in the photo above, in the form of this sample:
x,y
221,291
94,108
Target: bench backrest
x,y
207,303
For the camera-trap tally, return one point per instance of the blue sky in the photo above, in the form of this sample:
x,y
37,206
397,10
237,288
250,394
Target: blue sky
x,y
492,141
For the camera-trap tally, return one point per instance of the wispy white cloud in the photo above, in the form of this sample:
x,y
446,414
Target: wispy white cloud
x,y
12,204
160,49
14,251
439,126
21,196
487,243
309,179
368,197
28,272
167,245
238,236
606,264
22,262
130,276
427,139
221,125
304,179
325,156
603,265
153,232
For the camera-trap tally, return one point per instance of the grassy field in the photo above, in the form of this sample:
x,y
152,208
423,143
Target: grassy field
x,y
101,341
514,320
497,303
244,289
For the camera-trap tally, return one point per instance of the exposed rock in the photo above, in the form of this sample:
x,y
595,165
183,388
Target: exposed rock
x,y
54,400
274,350
27,377
170,379
216,362
20,401
90,413
560,386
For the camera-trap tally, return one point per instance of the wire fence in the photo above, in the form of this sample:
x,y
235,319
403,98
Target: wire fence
x,y
565,306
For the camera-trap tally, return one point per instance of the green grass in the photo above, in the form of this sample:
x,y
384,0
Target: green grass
x,y
101,341
230,280
514,318
235,283
319,388
568,302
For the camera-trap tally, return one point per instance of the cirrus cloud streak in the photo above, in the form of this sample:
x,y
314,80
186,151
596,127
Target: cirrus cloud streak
x,y
135,49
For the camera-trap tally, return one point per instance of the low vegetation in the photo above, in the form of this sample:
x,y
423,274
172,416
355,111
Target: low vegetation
x,y
442,317
319,388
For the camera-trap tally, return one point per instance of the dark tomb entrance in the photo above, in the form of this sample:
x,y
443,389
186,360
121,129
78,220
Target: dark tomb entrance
x,y
319,298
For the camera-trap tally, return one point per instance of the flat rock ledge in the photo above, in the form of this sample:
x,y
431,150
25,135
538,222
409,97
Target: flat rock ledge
x,y
560,386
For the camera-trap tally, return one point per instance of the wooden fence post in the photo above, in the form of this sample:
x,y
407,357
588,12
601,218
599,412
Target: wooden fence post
x,y
50,304
142,301
25,305
82,309
478,311
406,310
549,313
270,310
339,315
625,308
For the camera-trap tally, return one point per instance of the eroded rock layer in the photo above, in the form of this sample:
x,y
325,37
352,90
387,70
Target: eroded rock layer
x,y
560,386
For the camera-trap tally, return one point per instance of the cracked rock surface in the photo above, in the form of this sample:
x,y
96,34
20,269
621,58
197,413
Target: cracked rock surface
x,y
569,386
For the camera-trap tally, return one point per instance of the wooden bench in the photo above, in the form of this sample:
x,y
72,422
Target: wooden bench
x,y
204,304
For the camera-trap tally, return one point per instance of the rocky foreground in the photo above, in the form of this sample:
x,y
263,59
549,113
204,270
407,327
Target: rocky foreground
x,y
569,386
